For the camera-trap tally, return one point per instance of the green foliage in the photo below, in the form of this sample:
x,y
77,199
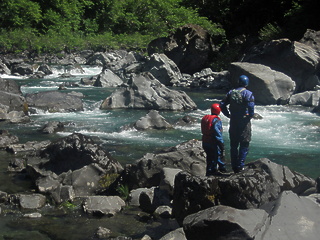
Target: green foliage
x,y
108,179
68,206
123,191
269,32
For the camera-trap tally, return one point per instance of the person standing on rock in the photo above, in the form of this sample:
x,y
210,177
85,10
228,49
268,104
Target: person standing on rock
x,y
212,141
238,105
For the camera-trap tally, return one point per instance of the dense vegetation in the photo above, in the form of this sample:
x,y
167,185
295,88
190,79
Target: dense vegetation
x,y
56,25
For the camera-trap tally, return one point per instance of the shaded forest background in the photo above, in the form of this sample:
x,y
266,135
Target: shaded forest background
x,y
53,26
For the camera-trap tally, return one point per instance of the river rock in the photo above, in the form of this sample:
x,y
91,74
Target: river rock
x,y
291,217
30,146
4,69
54,101
103,205
147,171
22,69
260,183
153,120
308,98
31,201
311,38
163,69
45,68
295,59
7,139
52,127
146,92
107,78
223,222
268,86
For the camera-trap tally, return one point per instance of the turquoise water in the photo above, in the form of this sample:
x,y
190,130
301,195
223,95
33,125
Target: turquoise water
x,y
286,135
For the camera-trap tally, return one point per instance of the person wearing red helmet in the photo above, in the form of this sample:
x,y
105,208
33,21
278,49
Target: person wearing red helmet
x,y
212,141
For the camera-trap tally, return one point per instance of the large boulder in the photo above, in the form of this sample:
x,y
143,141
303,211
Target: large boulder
x,y
163,69
153,120
148,171
223,222
308,98
107,78
289,217
268,86
311,38
71,166
55,101
261,183
295,59
190,47
146,92
103,205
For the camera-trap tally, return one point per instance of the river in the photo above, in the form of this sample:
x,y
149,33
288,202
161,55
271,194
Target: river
x,y
287,135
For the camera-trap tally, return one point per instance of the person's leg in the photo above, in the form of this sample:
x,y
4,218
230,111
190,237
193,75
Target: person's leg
x,y
220,161
243,152
211,167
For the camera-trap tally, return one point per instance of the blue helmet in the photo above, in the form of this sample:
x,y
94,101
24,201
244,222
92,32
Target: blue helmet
x,y
243,81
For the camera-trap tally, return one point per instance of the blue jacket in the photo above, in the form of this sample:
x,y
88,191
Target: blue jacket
x,y
238,110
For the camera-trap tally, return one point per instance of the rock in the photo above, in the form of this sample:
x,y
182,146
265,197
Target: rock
x,y
177,234
4,69
22,69
107,79
291,217
311,38
185,121
52,127
31,201
55,101
163,212
146,92
190,47
32,215
7,139
163,69
31,146
296,60
223,222
102,233
153,120
152,198
99,59
147,171
45,69
17,165
277,87
103,205
308,98
167,179
260,183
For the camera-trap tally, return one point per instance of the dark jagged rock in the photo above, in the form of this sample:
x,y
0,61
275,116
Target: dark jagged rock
x,y
261,183
7,139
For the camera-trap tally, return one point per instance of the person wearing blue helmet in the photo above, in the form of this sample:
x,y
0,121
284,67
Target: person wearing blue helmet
x,y
238,105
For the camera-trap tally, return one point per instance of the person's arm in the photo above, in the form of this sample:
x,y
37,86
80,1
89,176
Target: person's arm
x,y
217,133
223,105
251,106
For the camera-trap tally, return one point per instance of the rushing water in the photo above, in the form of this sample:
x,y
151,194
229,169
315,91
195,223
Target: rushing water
x,y
286,135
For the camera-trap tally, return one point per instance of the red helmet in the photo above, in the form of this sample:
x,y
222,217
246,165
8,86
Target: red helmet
x,y
215,109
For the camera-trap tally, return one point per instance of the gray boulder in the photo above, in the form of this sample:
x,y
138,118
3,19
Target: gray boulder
x,y
223,222
153,120
147,171
311,38
295,59
163,69
107,79
31,201
4,69
52,127
103,205
22,69
55,101
146,92
261,183
177,234
7,139
308,98
267,85
30,146
291,217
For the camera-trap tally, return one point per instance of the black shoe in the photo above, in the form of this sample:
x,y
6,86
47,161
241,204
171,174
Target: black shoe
x,y
237,170
223,169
